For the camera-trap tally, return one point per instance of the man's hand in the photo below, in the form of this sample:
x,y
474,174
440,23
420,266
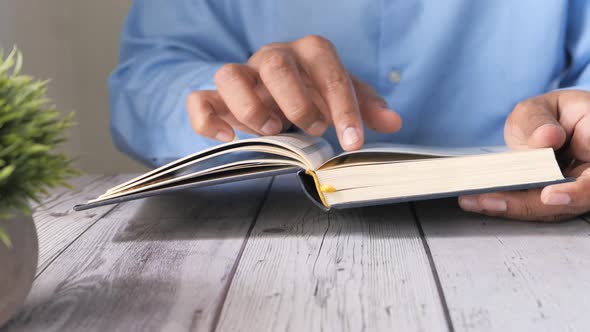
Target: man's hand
x,y
302,83
560,120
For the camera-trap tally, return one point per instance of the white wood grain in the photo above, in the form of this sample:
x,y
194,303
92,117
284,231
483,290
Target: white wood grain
x,y
58,225
502,275
158,264
306,270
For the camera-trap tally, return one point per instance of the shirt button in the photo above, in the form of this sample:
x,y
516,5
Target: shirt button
x,y
394,77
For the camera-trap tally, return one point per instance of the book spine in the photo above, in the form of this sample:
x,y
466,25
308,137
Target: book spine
x,y
312,188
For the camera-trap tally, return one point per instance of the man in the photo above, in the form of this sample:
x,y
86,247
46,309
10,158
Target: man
x,y
458,72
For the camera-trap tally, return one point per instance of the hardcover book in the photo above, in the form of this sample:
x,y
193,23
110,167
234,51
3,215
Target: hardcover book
x,y
377,174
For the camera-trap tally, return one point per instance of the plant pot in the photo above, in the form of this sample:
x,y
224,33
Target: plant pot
x,y
18,264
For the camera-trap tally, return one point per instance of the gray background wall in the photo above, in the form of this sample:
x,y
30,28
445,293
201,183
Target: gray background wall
x,y
75,44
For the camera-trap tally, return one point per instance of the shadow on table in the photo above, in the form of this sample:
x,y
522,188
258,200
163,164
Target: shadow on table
x,y
228,211
443,218
223,211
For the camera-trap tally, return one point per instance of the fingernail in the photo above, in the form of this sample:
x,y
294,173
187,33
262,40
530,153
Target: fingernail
x,y
494,204
469,204
317,127
223,136
272,126
557,199
350,136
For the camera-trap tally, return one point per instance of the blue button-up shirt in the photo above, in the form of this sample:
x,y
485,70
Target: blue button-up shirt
x,y
452,69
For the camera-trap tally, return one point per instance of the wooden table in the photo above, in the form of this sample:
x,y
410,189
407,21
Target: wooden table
x,y
257,256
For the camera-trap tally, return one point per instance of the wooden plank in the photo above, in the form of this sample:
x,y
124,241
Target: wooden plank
x,y
355,270
502,275
79,184
161,264
58,225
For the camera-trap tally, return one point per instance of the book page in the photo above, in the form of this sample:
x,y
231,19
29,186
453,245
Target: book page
x,y
309,152
436,151
314,150
222,170
392,152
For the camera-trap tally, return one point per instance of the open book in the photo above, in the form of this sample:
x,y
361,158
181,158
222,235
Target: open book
x,y
376,174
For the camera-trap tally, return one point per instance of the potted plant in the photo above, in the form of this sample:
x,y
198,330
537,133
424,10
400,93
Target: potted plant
x,y
30,129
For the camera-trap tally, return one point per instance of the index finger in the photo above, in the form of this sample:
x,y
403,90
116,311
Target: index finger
x,y
318,57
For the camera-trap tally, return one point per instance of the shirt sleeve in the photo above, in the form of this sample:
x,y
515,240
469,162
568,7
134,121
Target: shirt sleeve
x,y
168,49
577,75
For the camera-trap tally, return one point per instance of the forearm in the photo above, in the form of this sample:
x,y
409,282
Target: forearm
x,y
167,51
149,120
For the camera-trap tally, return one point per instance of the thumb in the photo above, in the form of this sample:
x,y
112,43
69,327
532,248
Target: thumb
x,y
534,124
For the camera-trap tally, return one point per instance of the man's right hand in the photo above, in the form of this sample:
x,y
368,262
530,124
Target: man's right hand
x,y
302,83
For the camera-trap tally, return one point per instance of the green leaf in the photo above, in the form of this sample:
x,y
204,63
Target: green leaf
x,y
5,172
4,238
8,62
36,148
19,63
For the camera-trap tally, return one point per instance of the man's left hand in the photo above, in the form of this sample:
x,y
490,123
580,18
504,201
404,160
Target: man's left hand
x,y
560,120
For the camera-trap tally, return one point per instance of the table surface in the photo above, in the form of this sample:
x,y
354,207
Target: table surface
x,y
258,256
